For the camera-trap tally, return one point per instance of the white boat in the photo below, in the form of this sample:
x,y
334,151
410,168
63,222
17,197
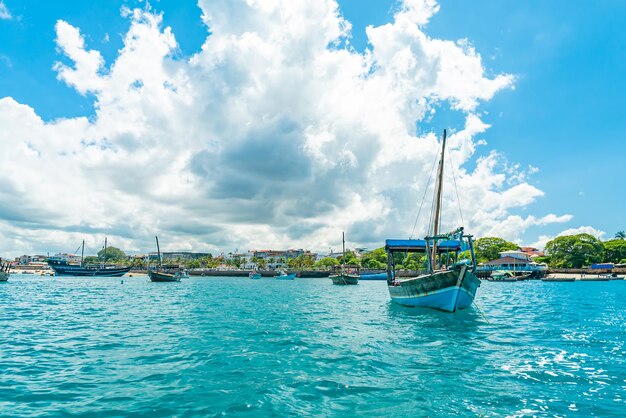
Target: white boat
x,y
284,276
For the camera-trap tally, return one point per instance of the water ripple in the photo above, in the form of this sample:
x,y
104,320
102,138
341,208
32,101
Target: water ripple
x,y
233,347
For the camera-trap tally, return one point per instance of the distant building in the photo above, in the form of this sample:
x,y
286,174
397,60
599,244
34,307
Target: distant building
x,y
275,258
532,252
513,260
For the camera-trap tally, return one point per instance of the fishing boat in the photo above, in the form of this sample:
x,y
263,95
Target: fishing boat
x,y
502,276
254,275
345,277
62,267
164,274
448,283
283,275
373,276
5,271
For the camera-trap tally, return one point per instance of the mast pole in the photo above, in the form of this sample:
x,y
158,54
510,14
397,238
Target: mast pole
x,y
158,251
82,254
104,263
343,265
438,198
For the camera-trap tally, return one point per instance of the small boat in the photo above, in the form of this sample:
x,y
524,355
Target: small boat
x,y
558,279
502,276
345,277
254,275
448,284
163,274
62,268
5,271
284,276
373,276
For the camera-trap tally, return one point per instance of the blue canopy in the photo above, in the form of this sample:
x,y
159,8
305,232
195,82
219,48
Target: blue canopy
x,y
419,245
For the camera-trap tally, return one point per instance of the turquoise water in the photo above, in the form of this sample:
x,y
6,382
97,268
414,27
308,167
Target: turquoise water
x,y
239,347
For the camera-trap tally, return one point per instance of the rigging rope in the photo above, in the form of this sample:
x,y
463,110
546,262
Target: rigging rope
x,y
458,200
423,198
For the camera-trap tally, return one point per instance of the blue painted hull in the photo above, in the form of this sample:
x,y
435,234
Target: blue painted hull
x,y
256,276
447,291
374,276
286,277
450,299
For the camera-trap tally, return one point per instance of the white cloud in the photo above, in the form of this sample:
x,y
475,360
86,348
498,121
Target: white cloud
x,y
543,239
274,135
4,11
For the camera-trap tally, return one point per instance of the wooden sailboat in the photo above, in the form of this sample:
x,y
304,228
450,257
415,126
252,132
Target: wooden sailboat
x,y
344,278
5,271
161,274
61,266
449,284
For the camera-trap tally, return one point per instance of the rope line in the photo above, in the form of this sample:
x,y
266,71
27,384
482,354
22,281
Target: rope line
x,y
423,198
458,200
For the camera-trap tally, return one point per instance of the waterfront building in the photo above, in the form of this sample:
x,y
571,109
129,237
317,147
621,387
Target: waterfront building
x,y
513,260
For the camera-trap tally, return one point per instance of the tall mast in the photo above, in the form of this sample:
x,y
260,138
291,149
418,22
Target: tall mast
x,y
82,254
343,240
438,197
105,252
158,251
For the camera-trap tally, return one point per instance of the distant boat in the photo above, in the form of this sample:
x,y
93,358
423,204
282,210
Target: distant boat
x,y
254,275
285,276
502,276
344,277
558,279
5,271
449,284
163,274
373,276
62,267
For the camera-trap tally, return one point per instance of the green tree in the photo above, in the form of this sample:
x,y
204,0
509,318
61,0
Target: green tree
x,y
620,235
351,259
327,262
574,251
90,259
112,254
376,259
301,261
489,248
543,259
614,250
260,262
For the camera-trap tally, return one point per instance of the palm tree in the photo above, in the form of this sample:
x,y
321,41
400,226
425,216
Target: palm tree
x,y
620,235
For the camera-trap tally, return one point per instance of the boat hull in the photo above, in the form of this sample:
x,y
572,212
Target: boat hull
x,y
344,279
286,277
373,276
448,291
86,271
4,276
255,276
157,276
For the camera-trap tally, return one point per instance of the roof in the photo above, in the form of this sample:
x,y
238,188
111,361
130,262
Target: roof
x,y
419,245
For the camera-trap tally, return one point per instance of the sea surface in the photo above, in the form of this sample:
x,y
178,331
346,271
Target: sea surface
x,y
240,347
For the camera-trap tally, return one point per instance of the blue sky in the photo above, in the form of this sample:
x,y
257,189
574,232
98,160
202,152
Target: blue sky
x,y
563,114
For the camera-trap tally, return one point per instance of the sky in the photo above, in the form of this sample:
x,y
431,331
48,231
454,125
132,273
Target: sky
x,y
223,125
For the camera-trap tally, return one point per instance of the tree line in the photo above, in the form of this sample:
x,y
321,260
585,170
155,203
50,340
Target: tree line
x,y
569,251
